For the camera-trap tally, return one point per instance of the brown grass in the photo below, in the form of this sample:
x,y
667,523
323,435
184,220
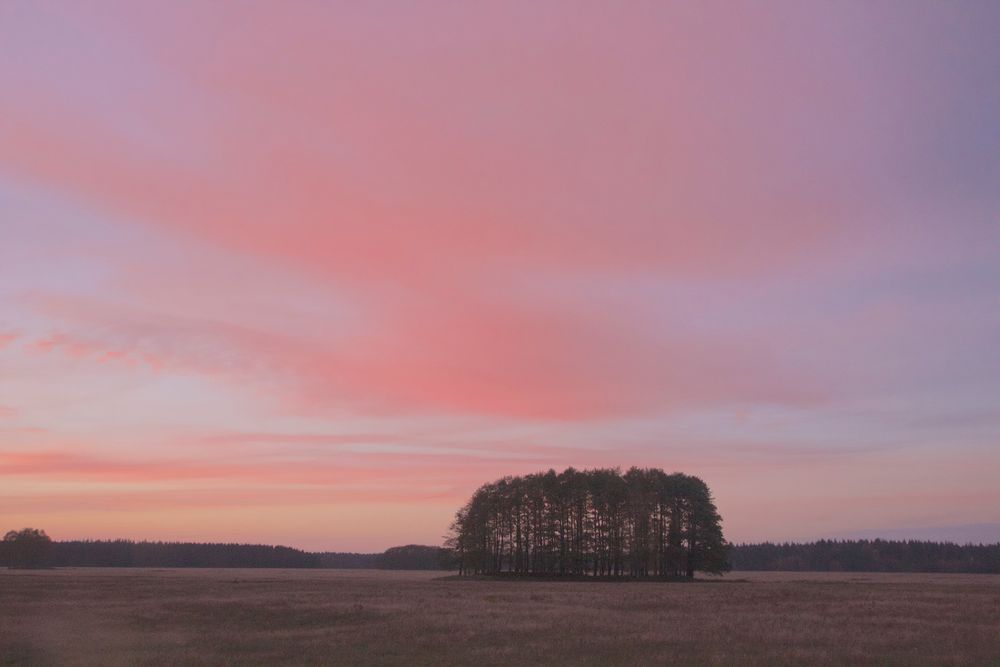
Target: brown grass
x,y
343,617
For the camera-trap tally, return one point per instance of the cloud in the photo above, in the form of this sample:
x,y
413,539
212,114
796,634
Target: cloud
x,y
427,212
476,358
453,242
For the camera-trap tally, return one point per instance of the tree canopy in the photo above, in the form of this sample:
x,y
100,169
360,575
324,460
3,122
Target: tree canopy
x,y
643,523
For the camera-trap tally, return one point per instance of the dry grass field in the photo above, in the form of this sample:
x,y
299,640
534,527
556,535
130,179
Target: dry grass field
x,y
343,617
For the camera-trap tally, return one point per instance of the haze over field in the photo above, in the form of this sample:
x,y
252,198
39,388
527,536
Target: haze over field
x,y
310,273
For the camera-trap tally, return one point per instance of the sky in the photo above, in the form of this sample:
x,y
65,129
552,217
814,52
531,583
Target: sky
x,y
310,273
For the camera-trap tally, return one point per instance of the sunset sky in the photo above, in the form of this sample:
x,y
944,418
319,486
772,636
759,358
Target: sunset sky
x,y
310,273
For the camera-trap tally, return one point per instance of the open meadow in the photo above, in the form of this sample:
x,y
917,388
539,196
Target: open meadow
x,y
359,617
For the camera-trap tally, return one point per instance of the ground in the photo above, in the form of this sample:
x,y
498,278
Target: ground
x,y
364,617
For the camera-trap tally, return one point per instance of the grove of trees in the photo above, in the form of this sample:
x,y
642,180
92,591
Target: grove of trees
x,y
643,523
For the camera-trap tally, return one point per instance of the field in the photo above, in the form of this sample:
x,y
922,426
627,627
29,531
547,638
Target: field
x,y
344,617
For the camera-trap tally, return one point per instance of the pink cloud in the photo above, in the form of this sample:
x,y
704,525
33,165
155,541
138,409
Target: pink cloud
x,y
211,498
623,226
426,216
428,212
354,477
473,357
77,348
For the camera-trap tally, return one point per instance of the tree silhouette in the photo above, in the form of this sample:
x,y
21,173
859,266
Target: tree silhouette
x,y
600,522
26,548
869,556
414,557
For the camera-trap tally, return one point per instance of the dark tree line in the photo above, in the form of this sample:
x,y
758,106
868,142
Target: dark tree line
x,y
126,553
868,556
339,560
416,557
643,523
408,557
32,548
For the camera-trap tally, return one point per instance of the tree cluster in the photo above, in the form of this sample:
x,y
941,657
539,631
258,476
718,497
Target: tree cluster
x,y
868,556
643,523
26,548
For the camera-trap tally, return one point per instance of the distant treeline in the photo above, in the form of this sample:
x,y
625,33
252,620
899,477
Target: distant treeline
x,y
867,556
409,557
339,560
127,553
825,555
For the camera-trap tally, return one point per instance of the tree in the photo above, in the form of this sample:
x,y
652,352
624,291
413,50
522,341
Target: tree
x,y
415,557
26,548
643,523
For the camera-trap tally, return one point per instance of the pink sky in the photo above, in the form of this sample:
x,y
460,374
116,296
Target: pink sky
x,y
310,273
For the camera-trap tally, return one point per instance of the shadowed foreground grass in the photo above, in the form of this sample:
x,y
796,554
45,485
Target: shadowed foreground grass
x,y
344,617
